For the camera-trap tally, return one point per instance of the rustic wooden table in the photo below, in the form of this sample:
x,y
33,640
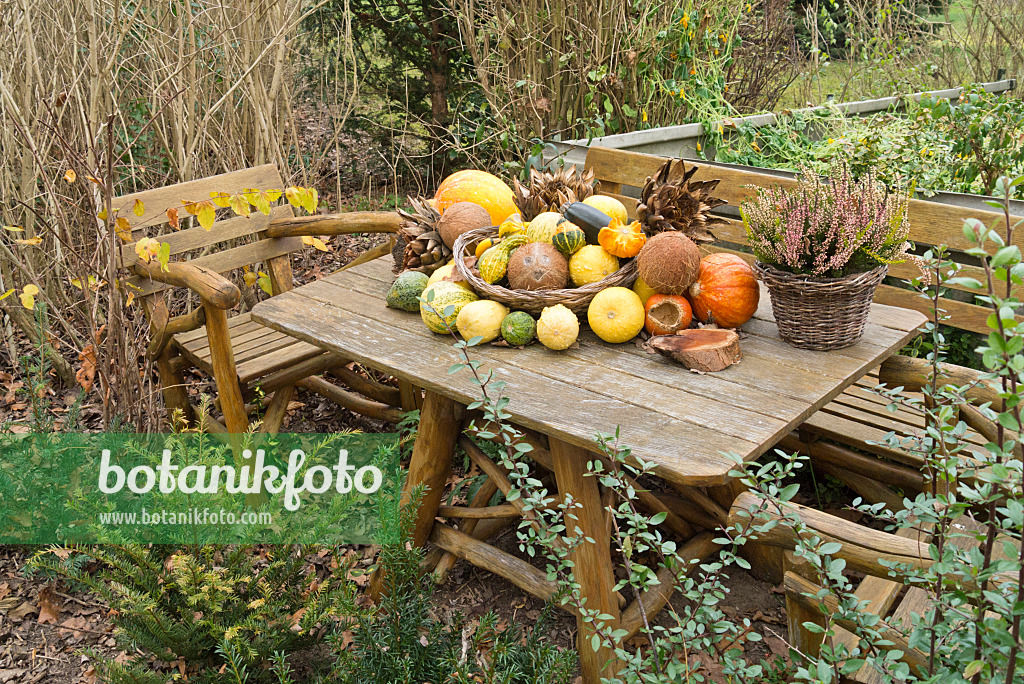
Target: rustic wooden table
x,y
681,421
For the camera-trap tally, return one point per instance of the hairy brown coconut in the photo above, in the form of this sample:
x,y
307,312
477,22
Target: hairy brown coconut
x,y
459,218
537,266
669,263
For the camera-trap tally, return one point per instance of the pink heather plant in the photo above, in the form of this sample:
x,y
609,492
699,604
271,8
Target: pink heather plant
x,y
830,227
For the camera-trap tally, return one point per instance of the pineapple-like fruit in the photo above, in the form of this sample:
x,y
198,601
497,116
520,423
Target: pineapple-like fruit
x,y
418,246
547,191
671,201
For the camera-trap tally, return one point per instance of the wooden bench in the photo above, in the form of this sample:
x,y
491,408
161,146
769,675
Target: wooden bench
x,y
253,366
863,549
837,437
846,439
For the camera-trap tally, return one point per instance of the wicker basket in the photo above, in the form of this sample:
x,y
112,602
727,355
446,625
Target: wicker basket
x,y
576,299
820,313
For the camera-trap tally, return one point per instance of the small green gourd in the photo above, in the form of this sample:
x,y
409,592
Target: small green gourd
x,y
569,239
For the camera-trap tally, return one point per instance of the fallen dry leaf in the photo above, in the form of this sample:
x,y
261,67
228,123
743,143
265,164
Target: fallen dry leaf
x,y
777,645
23,611
86,374
74,626
49,609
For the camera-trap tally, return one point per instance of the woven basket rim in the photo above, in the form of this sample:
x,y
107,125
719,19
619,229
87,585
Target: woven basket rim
x,y
577,296
771,271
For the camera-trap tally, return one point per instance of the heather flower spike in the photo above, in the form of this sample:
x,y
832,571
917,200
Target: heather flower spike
x,y
828,227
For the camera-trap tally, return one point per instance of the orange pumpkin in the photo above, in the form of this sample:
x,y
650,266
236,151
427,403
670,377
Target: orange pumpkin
x,y
666,314
621,239
479,187
725,292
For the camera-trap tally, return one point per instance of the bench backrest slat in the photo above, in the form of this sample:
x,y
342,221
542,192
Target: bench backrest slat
x,y
218,248
931,224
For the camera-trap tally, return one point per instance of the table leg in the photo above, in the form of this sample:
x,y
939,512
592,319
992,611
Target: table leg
x,y
765,561
440,422
593,562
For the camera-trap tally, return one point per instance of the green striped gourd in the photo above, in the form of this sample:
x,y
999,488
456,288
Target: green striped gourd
x,y
569,239
493,262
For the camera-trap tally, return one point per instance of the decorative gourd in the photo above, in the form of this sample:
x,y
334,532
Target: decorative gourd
x,y
493,263
512,225
479,187
569,239
725,292
406,290
445,294
483,247
544,226
621,239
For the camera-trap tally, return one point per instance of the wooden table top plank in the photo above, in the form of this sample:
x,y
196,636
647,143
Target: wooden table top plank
x,y
538,402
679,420
608,380
802,367
540,362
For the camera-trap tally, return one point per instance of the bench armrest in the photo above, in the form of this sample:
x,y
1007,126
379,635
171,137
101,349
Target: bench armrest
x,y
210,285
335,224
862,547
913,373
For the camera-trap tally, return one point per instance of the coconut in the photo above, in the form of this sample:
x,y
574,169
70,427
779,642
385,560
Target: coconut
x,y
669,263
537,266
459,218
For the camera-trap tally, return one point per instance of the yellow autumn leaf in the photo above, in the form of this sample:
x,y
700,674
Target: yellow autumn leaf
x,y
147,248
221,199
15,229
138,208
239,205
265,284
123,228
311,200
32,241
129,300
207,214
28,296
172,218
315,242
93,283
190,207
250,278
273,195
70,176
102,216
258,199
7,294
294,196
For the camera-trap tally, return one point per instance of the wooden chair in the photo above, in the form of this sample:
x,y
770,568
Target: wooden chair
x,y
845,439
252,365
863,549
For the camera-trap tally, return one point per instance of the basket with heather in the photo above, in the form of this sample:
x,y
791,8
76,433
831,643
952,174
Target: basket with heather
x,y
823,246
